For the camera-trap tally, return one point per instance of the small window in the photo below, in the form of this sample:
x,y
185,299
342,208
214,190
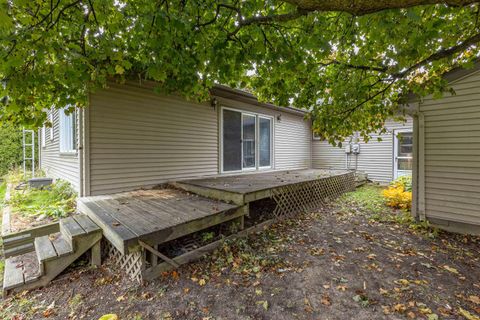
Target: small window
x,y
67,132
51,122
43,138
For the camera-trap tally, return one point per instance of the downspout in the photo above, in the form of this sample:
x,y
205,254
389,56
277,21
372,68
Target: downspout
x,y
414,210
80,151
418,179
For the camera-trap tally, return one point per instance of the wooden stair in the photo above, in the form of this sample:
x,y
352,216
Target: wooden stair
x,y
53,254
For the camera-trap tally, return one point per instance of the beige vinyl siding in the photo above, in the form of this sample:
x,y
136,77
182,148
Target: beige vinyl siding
x,y
326,156
292,135
55,164
452,153
140,139
375,158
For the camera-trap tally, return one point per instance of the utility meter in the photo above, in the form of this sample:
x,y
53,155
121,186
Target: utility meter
x,y
348,148
355,148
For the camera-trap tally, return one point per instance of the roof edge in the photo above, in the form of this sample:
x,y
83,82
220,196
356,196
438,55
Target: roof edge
x,y
244,96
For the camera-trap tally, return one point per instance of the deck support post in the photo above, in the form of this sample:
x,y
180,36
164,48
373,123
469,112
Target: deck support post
x,y
96,254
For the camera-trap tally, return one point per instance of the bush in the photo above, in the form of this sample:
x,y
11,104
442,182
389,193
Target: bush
x,y
11,154
56,202
404,181
399,193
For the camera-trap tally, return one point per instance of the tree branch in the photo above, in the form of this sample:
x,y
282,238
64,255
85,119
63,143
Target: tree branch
x,y
267,19
363,7
444,53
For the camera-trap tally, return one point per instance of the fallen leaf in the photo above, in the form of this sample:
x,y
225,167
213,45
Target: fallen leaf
x,y
467,315
450,269
110,316
263,303
474,299
399,307
326,300
202,282
50,310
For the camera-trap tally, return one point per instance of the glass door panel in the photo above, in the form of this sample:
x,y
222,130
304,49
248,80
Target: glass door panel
x,y
403,153
249,143
265,142
232,140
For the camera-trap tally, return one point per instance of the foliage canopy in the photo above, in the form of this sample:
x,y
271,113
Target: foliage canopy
x,y
350,65
10,147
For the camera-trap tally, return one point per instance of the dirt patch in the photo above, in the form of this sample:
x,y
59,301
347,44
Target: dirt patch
x,y
340,262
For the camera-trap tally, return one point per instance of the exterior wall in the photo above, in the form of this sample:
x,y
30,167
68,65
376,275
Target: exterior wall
x,y
138,138
375,158
449,151
55,164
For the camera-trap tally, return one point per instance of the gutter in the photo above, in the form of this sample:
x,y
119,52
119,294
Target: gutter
x,y
244,96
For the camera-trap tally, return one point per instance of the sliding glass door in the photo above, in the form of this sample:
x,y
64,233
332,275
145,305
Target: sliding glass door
x,y
247,141
232,140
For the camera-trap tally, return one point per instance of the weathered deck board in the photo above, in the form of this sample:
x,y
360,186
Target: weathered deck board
x,y
154,215
247,183
244,188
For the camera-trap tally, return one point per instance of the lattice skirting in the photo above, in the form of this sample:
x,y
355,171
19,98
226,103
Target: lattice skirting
x,y
305,196
132,264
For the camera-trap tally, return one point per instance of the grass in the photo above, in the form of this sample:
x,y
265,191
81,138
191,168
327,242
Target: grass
x,y
369,201
367,198
3,189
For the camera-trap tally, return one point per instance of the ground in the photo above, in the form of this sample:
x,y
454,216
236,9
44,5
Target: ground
x,y
353,259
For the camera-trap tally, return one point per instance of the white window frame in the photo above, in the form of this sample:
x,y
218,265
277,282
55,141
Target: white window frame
x,y
395,151
43,136
257,145
67,147
50,116
259,116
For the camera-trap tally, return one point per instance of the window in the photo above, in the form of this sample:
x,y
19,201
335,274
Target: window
x,y
403,148
265,142
43,138
67,132
51,123
247,141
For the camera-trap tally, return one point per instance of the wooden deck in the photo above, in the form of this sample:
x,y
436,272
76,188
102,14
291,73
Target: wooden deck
x,y
154,216
241,189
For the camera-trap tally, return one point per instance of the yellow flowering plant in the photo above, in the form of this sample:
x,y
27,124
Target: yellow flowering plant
x,y
398,194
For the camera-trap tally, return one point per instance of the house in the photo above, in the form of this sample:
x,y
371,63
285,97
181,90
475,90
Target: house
x,y
382,161
446,170
222,163
130,137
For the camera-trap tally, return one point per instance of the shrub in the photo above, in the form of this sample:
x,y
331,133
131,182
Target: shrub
x,y
56,202
10,148
398,194
404,181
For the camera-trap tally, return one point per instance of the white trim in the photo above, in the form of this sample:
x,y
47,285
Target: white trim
x,y
257,145
43,137
50,116
395,151
271,142
67,122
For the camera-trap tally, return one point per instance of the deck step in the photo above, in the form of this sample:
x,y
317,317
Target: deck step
x,y
20,270
70,228
62,246
44,249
